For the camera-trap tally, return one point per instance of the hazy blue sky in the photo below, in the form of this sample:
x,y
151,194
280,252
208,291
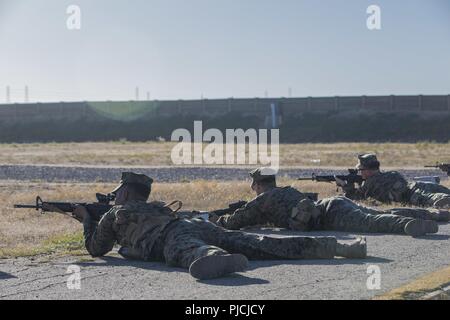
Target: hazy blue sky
x,y
179,49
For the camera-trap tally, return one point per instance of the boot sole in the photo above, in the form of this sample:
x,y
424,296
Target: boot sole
x,y
362,254
431,227
443,216
359,251
417,228
211,267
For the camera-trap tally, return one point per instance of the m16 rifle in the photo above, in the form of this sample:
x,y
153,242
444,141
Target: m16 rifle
x,y
351,178
231,208
96,210
206,215
443,166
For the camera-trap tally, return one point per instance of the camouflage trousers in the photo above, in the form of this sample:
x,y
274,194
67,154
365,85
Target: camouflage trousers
x,y
415,213
186,240
425,194
342,214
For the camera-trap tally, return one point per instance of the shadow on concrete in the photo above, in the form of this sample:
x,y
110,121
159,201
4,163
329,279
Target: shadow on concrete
x,y
434,237
291,233
325,262
109,261
339,235
234,280
4,276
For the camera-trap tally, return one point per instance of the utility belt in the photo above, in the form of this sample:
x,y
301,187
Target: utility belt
x,y
304,216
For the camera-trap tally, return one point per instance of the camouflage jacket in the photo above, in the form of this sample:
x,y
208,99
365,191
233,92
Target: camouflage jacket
x,y
135,225
385,187
271,207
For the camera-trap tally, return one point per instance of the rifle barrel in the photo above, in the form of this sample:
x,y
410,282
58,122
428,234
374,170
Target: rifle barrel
x,y
24,206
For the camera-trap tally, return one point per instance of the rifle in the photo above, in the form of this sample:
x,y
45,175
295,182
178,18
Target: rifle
x,y
236,205
231,208
96,210
443,166
205,215
351,178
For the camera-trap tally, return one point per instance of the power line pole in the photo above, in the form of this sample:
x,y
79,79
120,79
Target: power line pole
x,y
8,95
137,93
148,95
26,95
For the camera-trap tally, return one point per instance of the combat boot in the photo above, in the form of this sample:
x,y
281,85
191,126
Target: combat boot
x,y
418,227
210,267
356,249
442,216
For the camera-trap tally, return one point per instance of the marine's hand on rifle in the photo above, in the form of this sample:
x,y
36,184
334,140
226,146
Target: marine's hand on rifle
x,y
340,183
80,213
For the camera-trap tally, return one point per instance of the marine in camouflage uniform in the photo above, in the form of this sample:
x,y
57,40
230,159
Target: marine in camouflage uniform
x,y
288,208
391,186
153,232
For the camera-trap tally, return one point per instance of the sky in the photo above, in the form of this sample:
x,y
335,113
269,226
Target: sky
x,y
178,49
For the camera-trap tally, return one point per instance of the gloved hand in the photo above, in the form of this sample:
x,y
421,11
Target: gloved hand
x,y
80,213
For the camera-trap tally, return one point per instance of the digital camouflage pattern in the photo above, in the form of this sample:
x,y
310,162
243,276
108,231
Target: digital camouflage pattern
x,y
152,232
134,178
429,195
342,214
135,225
271,207
262,174
367,161
386,187
187,240
289,208
391,186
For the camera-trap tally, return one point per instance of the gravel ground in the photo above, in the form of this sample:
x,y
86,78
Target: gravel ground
x,y
160,174
400,260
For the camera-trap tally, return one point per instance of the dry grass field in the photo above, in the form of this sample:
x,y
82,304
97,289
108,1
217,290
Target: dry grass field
x,y
24,232
123,153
